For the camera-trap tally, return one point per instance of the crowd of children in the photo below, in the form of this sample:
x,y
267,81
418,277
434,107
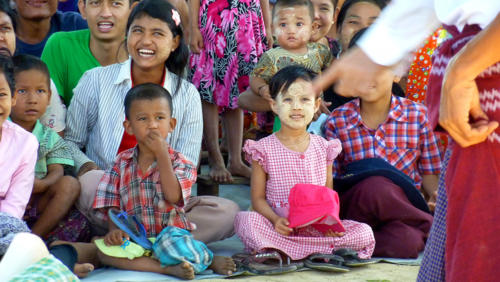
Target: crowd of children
x,y
101,137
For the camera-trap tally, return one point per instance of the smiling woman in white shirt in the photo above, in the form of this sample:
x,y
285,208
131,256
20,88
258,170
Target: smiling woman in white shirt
x,y
95,118
469,111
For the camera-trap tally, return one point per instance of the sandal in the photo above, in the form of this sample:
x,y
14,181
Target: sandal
x,y
326,262
352,259
132,226
262,264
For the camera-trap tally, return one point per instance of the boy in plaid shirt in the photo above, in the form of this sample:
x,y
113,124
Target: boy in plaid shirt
x,y
396,130
150,181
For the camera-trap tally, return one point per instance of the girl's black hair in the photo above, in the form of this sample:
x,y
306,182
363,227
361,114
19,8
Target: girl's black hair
x,y
7,69
282,80
25,62
5,7
349,3
163,10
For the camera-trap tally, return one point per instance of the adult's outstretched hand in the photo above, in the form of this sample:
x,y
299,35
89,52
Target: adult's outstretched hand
x,y
354,75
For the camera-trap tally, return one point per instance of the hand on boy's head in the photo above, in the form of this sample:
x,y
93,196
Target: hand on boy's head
x,y
281,226
115,237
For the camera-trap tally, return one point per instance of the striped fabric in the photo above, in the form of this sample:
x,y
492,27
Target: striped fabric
x,y
96,114
405,139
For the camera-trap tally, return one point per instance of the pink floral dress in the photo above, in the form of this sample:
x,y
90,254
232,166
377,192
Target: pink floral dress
x,y
284,169
234,38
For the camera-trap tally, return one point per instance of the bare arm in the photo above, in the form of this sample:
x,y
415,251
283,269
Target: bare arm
x,y
460,96
54,173
259,203
266,14
430,185
195,39
169,183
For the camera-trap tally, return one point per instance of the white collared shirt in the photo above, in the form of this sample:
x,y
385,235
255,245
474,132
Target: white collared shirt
x,y
404,24
96,114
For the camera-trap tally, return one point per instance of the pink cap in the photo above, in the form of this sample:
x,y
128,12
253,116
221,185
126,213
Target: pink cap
x,y
314,205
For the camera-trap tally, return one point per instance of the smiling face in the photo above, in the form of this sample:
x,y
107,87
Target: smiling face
x,y
150,42
36,10
7,35
33,96
296,106
359,16
323,15
6,100
292,27
147,115
107,19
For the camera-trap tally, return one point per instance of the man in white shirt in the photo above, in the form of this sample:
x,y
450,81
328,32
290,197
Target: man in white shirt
x,y
469,111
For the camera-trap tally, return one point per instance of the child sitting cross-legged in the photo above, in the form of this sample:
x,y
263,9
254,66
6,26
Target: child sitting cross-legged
x,y
53,193
151,182
284,159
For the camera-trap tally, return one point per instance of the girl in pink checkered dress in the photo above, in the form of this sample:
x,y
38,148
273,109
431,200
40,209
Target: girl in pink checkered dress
x,y
288,157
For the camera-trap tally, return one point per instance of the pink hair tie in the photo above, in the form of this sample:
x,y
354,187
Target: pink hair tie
x,y
176,17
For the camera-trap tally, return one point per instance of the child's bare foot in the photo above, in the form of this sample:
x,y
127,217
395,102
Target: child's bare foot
x,y
239,169
219,173
183,270
223,265
83,269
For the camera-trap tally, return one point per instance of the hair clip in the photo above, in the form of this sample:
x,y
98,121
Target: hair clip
x,y
176,17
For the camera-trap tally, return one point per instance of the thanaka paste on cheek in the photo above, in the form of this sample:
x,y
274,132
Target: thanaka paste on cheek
x,y
296,113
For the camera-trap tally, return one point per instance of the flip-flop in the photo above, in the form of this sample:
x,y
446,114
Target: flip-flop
x,y
352,259
326,262
132,226
262,264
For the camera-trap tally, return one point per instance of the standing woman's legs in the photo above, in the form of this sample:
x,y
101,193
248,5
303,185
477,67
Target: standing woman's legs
x,y
232,121
218,171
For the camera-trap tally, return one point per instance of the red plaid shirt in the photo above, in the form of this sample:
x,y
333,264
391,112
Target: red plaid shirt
x,y
405,139
124,186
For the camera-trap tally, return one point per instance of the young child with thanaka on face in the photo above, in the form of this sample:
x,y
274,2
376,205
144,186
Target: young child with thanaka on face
x,y
53,193
148,108
295,103
292,24
284,159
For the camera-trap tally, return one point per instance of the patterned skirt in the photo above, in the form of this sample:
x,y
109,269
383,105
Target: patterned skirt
x,y
234,38
258,234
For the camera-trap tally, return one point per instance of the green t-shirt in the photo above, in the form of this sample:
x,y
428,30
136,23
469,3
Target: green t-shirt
x,y
52,149
68,56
